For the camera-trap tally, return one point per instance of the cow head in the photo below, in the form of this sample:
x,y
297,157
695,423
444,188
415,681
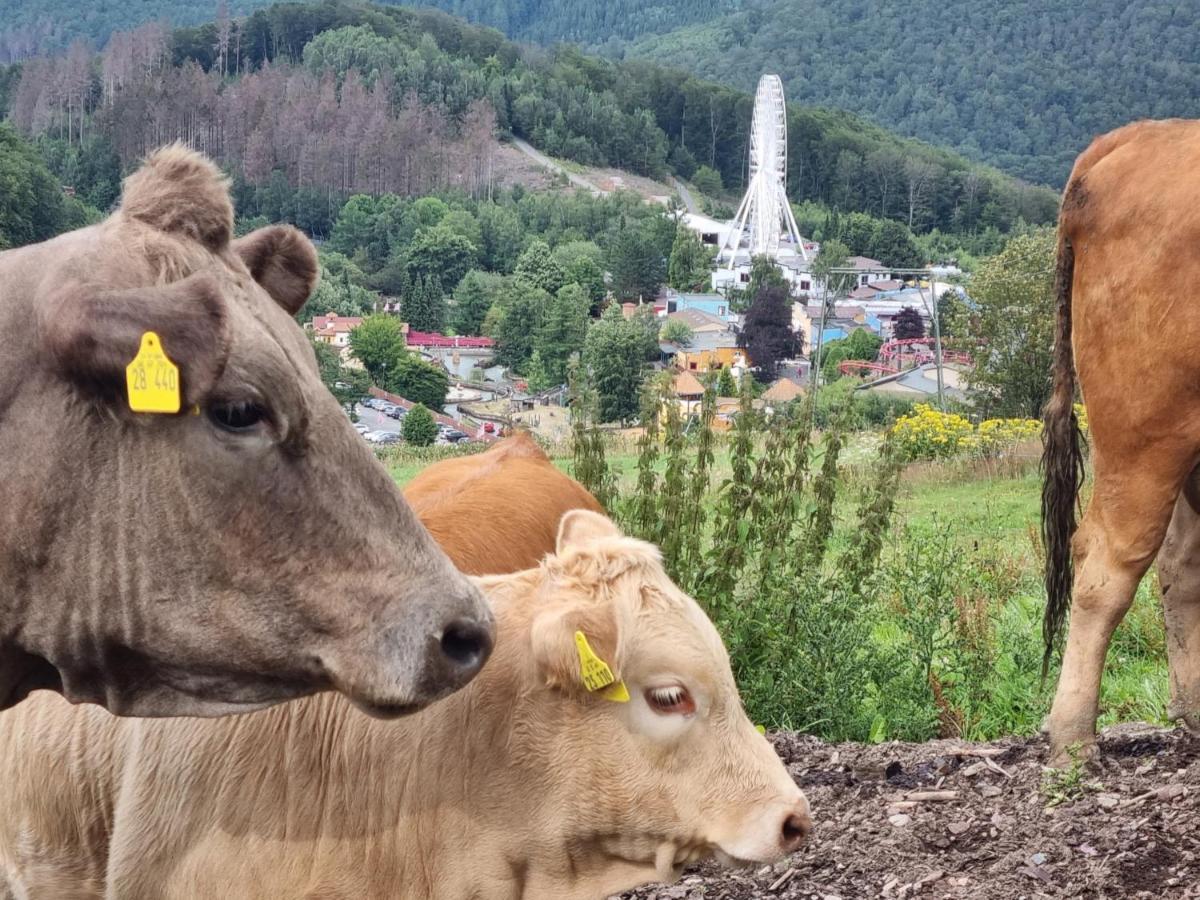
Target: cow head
x,y
677,772
243,551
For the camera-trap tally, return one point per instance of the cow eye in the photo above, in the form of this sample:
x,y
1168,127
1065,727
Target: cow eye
x,y
673,700
237,416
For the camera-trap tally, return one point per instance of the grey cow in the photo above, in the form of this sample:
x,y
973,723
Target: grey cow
x,y
243,551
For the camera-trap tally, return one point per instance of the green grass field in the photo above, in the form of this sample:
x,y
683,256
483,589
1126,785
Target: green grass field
x,y
990,516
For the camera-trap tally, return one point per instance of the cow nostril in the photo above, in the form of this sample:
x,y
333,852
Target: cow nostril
x,y
796,829
466,643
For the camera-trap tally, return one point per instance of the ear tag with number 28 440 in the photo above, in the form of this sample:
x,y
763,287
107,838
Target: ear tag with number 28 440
x,y
152,379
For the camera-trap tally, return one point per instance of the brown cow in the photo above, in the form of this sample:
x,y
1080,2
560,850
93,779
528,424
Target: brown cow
x,y
513,483
163,564
522,785
1128,235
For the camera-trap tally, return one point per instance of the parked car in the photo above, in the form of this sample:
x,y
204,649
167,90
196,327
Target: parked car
x,y
397,412
382,437
361,428
489,427
453,435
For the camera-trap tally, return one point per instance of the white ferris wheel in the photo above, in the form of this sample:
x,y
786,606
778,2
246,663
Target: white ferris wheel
x,y
764,217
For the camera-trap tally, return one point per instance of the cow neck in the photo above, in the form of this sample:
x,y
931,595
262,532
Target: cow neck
x,y
520,784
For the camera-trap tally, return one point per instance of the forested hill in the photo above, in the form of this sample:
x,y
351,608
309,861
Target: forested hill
x,y
1022,84
354,98
30,27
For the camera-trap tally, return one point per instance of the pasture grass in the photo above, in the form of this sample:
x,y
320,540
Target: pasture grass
x,y
966,642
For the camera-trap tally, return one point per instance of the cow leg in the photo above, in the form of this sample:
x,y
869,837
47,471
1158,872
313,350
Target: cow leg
x,y
1117,540
1179,574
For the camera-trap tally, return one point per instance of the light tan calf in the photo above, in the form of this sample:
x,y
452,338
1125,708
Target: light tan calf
x,y
523,785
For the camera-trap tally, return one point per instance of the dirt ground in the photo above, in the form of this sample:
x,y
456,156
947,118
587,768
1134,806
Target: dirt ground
x,y
952,820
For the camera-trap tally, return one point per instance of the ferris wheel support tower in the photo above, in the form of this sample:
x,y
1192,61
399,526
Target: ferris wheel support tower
x,y
764,215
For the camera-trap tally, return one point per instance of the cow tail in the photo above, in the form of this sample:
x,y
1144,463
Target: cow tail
x,y
1062,463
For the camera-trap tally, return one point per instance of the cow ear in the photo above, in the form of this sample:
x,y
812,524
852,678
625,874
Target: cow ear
x,y
556,652
581,527
283,261
92,334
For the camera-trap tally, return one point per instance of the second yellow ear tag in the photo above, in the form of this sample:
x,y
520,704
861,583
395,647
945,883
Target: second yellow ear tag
x,y
596,674
152,379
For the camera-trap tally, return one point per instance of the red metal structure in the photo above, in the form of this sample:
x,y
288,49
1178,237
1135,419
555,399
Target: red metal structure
x,y
897,355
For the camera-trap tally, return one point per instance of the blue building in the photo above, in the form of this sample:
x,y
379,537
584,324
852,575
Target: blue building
x,y
713,304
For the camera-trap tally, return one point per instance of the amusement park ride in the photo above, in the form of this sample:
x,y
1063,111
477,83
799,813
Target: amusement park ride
x,y
764,225
764,216
897,355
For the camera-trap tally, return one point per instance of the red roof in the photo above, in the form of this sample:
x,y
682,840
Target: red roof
x,y
331,324
433,339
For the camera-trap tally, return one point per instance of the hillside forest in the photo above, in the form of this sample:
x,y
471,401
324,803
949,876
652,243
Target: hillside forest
x,y
352,97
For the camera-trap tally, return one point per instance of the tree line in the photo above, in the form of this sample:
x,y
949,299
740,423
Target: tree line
x,y
370,76
1021,84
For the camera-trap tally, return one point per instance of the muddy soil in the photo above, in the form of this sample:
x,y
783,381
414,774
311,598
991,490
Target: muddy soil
x,y
948,819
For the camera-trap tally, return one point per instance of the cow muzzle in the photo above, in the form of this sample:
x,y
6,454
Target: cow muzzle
x,y
420,660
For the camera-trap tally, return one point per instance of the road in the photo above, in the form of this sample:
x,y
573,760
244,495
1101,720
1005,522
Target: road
x,y
543,160
685,195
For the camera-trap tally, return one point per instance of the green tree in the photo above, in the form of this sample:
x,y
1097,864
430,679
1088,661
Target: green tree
x,y
690,263
419,428
708,181
417,380
32,207
893,245
676,331
614,355
538,268
337,293
562,334
638,267
347,385
521,313
726,386
378,343
536,376
581,263
954,315
439,251
473,297
861,344
1014,328
834,255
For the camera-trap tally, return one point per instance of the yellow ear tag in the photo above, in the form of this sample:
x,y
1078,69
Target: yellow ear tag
x,y
761,729
596,675
152,379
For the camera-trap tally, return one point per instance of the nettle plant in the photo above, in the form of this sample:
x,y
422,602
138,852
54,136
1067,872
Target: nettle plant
x,y
792,593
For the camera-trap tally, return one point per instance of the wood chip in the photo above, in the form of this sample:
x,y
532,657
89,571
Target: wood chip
x,y
782,880
931,796
996,767
981,752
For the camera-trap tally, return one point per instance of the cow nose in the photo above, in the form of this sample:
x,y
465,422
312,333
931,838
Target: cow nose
x,y
466,645
797,826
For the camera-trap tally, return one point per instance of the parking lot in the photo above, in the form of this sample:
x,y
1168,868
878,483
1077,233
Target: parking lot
x,y
374,420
